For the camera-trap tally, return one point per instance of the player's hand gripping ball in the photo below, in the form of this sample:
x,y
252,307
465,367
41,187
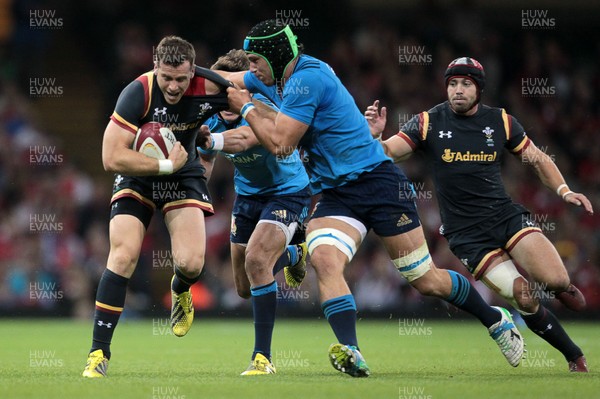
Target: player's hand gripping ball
x,y
154,140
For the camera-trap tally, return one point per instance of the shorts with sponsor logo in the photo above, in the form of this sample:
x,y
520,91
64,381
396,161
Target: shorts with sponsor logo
x,y
478,246
141,196
248,210
382,199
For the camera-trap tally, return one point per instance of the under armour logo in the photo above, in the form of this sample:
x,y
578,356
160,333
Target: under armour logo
x,y
548,328
447,135
205,197
160,111
101,323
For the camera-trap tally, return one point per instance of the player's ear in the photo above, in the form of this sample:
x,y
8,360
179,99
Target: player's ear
x,y
155,67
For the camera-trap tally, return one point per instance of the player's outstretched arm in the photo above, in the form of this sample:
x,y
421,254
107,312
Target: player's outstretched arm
x,y
237,78
280,135
395,147
551,177
119,157
230,141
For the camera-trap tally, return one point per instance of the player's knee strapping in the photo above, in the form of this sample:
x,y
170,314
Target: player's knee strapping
x,y
329,236
501,279
415,264
288,229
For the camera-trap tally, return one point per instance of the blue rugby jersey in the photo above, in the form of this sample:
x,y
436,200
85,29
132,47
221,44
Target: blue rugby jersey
x,y
338,144
257,171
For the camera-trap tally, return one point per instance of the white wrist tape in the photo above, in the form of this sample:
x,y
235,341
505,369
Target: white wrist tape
x,y
218,141
567,193
560,188
165,166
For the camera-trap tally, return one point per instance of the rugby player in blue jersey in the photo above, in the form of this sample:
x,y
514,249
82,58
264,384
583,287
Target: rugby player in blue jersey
x,y
360,188
272,201
485,229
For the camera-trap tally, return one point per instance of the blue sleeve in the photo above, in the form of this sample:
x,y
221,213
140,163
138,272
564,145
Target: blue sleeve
x,y
255,86
302,95
251,82
213,123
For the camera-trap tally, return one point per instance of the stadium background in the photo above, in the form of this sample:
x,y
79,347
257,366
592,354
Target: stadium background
x,y
64,64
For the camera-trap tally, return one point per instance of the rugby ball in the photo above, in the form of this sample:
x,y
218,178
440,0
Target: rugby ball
x,y
154,140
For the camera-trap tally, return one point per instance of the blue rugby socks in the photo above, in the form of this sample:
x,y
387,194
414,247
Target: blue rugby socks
x,y
288,257
264,305
465,297
341,315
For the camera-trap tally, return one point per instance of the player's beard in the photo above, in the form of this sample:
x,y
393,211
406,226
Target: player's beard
x,y
464,106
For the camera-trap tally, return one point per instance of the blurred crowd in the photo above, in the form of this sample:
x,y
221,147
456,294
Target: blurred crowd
x,y
54,214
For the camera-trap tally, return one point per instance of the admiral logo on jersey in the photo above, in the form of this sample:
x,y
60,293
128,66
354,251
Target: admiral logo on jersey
x,y
451,156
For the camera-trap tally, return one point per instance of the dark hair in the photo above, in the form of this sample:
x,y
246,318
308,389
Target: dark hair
x,y
174,51
233,61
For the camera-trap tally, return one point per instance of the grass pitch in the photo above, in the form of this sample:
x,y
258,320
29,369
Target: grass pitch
x,y
409,359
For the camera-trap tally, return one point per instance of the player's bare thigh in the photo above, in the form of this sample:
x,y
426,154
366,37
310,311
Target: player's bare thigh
x,y
188,238
126,234
265,246
538,257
